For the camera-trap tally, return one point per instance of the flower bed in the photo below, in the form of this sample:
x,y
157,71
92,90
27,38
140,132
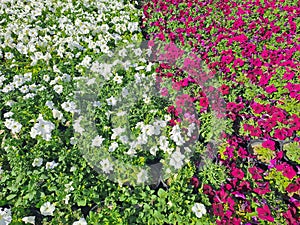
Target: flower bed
x,y
203,128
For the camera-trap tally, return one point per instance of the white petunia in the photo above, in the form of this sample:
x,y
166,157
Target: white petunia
x,y
67,199
13,125
58,89
29,219
57,114
77,127
106,166
177,159
82,221
47,209
97,141
153,150
5,216
111,101
51,165
199,209
113,146
69,106
42,128
37,162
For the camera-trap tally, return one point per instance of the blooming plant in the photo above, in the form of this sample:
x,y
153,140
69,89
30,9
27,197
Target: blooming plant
x,y
153,112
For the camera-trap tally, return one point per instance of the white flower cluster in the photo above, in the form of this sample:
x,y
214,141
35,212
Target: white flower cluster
x,y
13,125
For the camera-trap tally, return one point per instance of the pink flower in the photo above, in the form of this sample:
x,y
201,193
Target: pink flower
x,y
263,188
203,102
256,172
270,89
164,91
256,132
287,170
288,76
237,173
264,213
257,108
269,144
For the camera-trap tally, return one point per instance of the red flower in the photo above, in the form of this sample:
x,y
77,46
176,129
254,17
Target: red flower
x,y
257,108
264,213
280,134
195,182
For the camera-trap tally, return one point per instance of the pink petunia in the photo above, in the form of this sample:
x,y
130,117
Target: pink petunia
x,y
270,89
269,144
264,213
237,173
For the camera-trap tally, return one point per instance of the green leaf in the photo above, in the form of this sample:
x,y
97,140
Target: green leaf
x,y
81,202
9,197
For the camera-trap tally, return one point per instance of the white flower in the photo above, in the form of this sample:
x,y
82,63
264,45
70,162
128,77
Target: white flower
x,y
118,79
199,209
67,199
8,114
111,101
43,128
58,89
5,216
57,114
106,166
97,141
69,187
176,137
117,131
37,162
29,219
47,209
69,106
13,125
191,129
51,165
142,176
177,159
50,104
113,146
82,221
73,141
153,150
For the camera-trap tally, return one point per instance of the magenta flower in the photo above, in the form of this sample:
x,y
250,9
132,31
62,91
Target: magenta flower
x,y
271,89
256,172
287,170
269,144
237,173
262,188
264,213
